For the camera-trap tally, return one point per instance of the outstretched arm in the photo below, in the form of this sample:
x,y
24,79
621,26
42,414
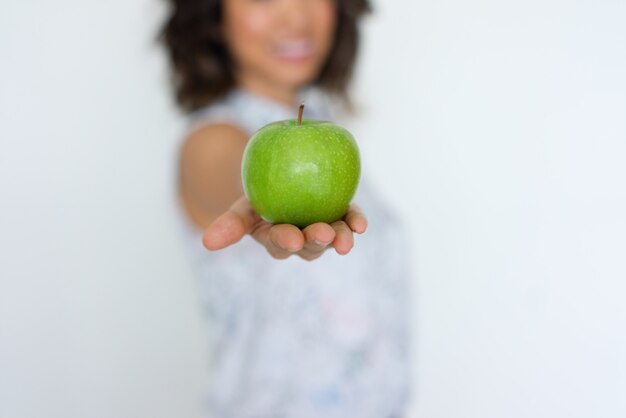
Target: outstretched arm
x,y
212,194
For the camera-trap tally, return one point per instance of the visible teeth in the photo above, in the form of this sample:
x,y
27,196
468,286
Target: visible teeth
x,y
294,49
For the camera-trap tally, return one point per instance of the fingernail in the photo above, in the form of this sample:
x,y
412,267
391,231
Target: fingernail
x,y
319,242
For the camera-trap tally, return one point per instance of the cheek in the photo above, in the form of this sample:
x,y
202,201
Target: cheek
x,y
254,24
325,20
247,30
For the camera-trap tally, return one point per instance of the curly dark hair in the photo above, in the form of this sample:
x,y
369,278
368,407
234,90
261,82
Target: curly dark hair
x,y
201,68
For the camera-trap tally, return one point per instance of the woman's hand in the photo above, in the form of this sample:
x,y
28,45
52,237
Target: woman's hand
x,y
284,240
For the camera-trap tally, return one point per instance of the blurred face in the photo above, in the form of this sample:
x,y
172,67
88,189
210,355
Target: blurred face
x,y
278,44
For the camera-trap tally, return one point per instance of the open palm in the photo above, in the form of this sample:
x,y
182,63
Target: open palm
x,y
284,240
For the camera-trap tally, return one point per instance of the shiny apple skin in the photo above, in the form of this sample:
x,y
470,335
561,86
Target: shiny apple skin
x,y
301,174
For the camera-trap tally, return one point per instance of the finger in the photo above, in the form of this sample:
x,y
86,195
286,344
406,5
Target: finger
x,y
286,237
318,236
344,241
262,235
311,255
230,226
355,218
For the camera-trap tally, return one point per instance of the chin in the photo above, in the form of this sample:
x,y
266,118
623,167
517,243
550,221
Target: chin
x,y
297,79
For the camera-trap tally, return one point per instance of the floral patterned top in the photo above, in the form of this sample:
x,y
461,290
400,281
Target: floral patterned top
x,y
298,339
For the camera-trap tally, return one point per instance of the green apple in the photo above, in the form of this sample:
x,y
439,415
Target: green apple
x,y
301,171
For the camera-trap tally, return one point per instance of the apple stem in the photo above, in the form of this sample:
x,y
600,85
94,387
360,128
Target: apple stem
x,y
300,111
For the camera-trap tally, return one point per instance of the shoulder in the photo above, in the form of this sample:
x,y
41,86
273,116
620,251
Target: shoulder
x,y
214,134
213,140
222,112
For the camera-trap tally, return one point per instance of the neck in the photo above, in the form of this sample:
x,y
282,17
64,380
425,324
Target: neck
x,y
280,93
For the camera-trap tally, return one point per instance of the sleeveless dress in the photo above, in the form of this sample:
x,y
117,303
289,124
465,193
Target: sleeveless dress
x,y
298,339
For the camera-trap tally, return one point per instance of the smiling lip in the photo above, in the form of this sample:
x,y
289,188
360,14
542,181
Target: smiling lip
x,y
294,51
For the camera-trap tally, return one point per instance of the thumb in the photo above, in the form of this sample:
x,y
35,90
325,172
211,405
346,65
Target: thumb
x,y
231,226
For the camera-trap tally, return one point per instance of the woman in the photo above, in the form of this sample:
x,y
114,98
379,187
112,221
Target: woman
x,y
301,331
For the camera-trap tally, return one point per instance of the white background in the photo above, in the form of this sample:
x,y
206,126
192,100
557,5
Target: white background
x,y
497,129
